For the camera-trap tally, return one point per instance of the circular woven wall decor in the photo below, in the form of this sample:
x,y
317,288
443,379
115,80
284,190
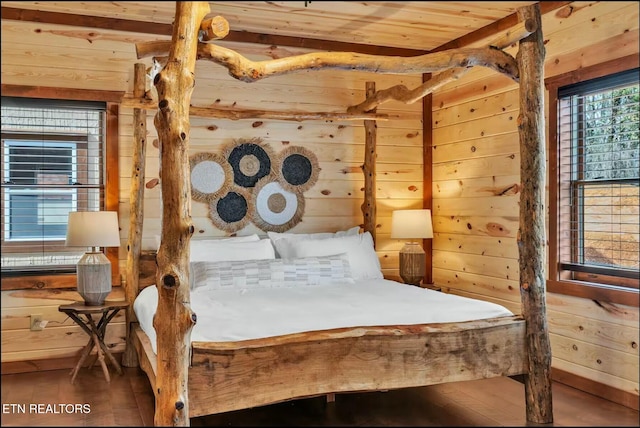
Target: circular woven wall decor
x,y
232,211
250,160
275,209
211,176
297,169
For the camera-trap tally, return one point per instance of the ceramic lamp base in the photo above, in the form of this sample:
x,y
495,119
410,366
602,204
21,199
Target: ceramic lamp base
x,y
94,278
412,263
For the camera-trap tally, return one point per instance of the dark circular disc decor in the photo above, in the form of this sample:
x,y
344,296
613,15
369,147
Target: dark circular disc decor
x,y
275,209
211,176
232,211
250,160
297,169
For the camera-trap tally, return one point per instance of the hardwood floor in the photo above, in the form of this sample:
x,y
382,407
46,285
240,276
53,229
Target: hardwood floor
x,y
128,401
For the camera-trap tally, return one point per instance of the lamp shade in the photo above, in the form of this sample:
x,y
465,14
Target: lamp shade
x,y
411,224
93,229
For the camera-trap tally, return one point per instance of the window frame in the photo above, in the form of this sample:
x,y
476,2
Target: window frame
x,y
58,191
112,179
558,282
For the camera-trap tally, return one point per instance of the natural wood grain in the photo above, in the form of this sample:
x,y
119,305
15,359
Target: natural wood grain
x,y
218,382
214,28
246,70
235,114
369,170
174,318
136,212
531,234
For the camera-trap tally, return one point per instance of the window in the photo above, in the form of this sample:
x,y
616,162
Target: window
x,y
52,163
594,189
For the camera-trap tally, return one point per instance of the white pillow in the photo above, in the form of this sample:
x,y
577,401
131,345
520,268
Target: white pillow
x,y
362,256
275,273
247,238
276,236
217,250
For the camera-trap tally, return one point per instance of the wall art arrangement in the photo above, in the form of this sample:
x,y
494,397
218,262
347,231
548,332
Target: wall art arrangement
x,y
249,182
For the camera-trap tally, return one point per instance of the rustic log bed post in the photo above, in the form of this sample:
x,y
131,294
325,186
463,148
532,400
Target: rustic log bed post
x,y
174,318
531,234
136,212
369,169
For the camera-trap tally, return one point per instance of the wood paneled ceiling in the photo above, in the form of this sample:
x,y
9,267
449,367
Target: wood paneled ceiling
x,y
418,26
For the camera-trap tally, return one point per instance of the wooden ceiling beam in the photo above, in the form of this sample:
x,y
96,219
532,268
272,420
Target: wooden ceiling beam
x,y
145,27
75,20
497,27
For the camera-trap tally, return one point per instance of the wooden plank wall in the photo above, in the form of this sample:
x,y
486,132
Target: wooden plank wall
x,y
476,192
72,57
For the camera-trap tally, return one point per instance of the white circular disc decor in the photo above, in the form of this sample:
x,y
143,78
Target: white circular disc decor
x,y
211,176
274,208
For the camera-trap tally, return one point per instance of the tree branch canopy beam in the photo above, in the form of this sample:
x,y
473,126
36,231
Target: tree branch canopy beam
x,y
455,62
403,94
246,70
174,318
238,114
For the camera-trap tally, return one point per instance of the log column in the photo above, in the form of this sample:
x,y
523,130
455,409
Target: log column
x,y
136,212
531,234
174,318
369,169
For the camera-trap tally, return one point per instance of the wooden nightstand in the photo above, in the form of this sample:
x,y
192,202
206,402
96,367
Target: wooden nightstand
x,y
96,332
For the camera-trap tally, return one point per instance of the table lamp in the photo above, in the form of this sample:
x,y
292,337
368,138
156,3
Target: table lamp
x,y
412,225
93,229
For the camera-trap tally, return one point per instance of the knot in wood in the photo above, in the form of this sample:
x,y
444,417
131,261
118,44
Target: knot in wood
x,y
179,405
169,281
255,74
194,318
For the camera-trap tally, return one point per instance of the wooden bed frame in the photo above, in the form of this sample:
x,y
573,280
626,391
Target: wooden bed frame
x,y
200,378
226,376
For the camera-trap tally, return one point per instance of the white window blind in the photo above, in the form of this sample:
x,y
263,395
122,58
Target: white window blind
x,y
598,128
52,163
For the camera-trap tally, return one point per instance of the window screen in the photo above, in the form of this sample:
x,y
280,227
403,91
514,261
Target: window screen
x,y
52,163
598,129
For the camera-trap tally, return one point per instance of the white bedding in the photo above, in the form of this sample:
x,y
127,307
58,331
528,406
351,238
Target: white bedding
x,y
230,315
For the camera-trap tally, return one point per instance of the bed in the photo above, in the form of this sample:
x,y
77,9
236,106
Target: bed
x,y
193,377
323,320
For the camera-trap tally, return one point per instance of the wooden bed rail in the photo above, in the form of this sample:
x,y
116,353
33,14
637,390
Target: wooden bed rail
x,y
227,376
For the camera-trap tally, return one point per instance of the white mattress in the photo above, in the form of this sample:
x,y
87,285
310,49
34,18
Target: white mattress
x,y
230,315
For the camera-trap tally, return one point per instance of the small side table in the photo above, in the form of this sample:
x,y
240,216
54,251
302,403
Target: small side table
x,y
96,331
